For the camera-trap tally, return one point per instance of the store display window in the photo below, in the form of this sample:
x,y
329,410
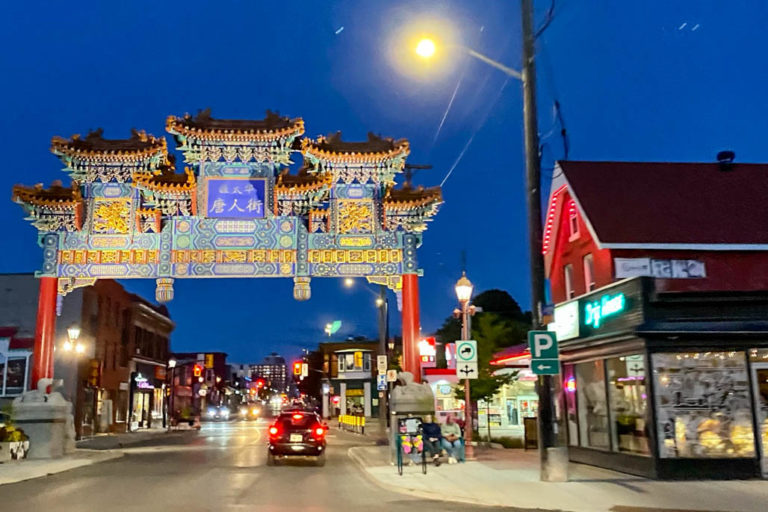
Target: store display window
x,y
703,405
592,405
628,401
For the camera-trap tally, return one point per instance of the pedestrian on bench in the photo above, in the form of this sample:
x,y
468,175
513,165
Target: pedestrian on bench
x,y
432,438
452,441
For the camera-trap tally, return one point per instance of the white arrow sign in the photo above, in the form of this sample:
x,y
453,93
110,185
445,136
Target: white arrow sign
x,y
466,370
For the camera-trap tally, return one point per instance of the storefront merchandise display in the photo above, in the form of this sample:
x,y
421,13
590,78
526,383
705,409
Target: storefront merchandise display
x,y
703,405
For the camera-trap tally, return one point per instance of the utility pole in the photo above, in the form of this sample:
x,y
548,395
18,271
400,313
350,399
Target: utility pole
x,y
383,314
547,435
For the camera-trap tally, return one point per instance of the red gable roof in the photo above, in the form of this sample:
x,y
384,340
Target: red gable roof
x,y
671,204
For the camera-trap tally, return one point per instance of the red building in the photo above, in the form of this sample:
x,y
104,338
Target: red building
x,y
695,227
659,276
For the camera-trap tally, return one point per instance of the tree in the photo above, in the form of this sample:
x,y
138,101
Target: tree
x,y
492,333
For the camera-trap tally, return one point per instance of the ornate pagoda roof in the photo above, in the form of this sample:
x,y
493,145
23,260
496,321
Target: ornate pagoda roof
x,y
204,127
333,148
56,197
95,147
166,179
409,198
300,183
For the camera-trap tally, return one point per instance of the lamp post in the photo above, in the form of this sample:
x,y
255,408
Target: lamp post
x,y
464,289
172,366
551,469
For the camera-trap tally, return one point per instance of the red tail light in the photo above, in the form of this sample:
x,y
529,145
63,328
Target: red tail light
x,y
298,416
319,431
273,430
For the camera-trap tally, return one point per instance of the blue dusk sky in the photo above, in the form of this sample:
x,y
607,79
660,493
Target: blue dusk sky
x,y
636,80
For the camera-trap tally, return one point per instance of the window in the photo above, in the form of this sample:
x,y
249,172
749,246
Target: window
x,y
568,275
589,273
592,405
573,221
703,405
628,404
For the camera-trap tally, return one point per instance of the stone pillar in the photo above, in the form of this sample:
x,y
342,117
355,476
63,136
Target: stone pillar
x,y
343,398
42,357
411,327
367,399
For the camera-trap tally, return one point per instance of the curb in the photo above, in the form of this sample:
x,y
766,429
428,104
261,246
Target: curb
x,y
419,493
99,456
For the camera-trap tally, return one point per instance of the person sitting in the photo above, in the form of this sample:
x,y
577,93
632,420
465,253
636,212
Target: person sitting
x,y
452,441
432,438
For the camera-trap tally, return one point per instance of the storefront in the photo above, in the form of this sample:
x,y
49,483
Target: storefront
x,y
666,385
147,401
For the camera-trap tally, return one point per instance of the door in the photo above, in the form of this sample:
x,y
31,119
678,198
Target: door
x,y
760,383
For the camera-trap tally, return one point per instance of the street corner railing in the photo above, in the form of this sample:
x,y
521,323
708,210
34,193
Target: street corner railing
x,y
352,423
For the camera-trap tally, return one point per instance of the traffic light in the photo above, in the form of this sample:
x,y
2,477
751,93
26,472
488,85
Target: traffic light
x,y
260,383
297,368
197,370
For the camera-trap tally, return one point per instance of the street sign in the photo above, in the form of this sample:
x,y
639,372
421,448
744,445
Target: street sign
x,y
545,366
545,359
391,375
381,382
466,370
381,364
466,352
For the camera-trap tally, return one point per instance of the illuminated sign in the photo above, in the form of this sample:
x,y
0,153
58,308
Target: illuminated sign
x,y
427,352
236,198
566,324
606,306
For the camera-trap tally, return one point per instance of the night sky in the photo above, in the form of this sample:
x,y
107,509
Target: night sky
x,y
650,80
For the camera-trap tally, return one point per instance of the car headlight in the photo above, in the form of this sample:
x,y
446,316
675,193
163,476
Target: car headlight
x,y
211,412
243,411
225,412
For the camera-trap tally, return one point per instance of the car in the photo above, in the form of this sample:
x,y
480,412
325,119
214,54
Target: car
x,y
297,434
220,412
250,411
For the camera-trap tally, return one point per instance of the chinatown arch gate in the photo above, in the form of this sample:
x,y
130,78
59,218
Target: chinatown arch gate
x,y
235,212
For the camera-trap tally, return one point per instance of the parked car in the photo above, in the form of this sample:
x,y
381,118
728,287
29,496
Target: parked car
x,y
297,434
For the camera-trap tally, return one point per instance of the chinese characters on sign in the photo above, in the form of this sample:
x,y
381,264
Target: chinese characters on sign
x,y
237,198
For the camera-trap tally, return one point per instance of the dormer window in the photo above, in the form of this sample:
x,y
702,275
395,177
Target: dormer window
x,y
568,278
573,221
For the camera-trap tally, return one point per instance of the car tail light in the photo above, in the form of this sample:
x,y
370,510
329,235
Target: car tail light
x,y
298,416
319,431
273,430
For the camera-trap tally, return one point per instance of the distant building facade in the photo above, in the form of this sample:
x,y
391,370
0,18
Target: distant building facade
x,y
117,383
274,371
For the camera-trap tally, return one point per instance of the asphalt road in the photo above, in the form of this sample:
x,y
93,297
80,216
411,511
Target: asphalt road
x,y
221,468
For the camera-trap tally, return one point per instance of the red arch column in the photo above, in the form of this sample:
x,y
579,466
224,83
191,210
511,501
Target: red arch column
x,y
411,327
42,358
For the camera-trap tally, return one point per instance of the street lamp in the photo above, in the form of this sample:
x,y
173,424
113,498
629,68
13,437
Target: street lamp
x,y
552,469
73,333
464,289
172,366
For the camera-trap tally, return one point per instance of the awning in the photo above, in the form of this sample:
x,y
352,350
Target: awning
x,y
704,327
516,355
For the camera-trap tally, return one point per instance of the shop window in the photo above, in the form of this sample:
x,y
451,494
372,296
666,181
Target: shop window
x,y
569,388
592,405
573,221
513,416
703,405
568,276
628,404
589,273
15,376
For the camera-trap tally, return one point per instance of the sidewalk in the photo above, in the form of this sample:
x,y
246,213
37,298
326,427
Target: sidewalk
x,y
17,471
511,478
123,439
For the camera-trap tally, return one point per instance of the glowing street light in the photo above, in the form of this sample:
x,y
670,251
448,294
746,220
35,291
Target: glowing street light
x,y
73,333
349,282
425,48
